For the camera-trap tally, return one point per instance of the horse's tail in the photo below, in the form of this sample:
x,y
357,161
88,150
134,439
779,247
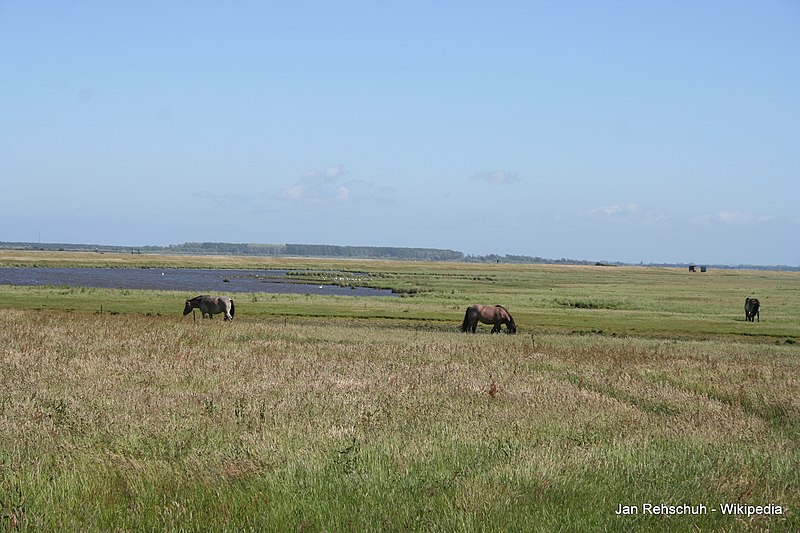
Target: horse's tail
x,y
233,309
465,324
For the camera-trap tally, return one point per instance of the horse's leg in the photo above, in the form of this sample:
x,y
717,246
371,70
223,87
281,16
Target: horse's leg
x,y
496,328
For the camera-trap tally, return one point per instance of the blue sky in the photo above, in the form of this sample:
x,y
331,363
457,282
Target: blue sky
x,y
632,131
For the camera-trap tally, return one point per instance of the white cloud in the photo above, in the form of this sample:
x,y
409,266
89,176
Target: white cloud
x,y
294,193
342,194
318,186
330,186
733,218
330,172
496,177
611,210
629,212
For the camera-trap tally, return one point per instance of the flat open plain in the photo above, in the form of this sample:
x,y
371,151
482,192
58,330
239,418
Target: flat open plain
x,y
626,390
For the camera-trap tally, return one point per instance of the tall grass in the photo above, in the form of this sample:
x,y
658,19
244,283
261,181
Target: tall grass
x,y
132,422
322,414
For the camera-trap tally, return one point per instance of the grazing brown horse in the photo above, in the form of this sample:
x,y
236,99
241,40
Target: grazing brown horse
x,y
488,314
751,306
210,305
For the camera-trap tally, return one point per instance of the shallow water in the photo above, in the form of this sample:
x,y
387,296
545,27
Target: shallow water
x,y
176,279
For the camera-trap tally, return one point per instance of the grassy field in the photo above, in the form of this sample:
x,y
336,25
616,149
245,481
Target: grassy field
x,y
624,386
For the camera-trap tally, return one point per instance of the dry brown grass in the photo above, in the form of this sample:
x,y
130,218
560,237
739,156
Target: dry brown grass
x,y
135,422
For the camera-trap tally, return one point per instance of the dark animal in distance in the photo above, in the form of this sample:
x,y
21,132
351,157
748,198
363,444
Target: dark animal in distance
x,y
751,306
496,315
211,305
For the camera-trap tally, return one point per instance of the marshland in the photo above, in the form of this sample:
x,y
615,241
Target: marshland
x,y
623,386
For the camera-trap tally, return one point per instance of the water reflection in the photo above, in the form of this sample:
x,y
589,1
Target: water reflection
x,y
176,279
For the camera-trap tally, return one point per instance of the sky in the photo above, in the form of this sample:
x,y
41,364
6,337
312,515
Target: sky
x,y
617,130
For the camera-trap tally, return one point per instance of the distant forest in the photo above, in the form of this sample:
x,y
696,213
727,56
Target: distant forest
x,y
294,250
259,250
343,252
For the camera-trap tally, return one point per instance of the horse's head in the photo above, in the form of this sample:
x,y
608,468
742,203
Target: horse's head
x,y
188,308
511,327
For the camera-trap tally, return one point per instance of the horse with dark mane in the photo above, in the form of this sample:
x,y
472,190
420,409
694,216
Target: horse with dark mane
x,y
751,306
211,305
496,315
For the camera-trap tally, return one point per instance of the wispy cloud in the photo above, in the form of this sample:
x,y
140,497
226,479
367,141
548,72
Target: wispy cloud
x,y
319,186
735,218
331,185
496,177
628,212
634,213
611,210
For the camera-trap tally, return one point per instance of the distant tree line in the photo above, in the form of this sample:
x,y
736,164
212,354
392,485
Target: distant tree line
x,y
249,249
333,251
525,259
317,250
374,252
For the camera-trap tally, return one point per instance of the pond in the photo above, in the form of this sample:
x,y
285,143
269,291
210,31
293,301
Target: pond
x,y
177,279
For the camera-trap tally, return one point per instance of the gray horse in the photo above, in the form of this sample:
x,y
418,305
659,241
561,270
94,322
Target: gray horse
x,y
211,305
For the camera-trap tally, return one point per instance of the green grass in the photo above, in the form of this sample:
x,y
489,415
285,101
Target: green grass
x,y
347,414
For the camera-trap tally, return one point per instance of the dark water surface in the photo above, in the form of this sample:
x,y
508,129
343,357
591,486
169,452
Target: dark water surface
x,y
175,279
